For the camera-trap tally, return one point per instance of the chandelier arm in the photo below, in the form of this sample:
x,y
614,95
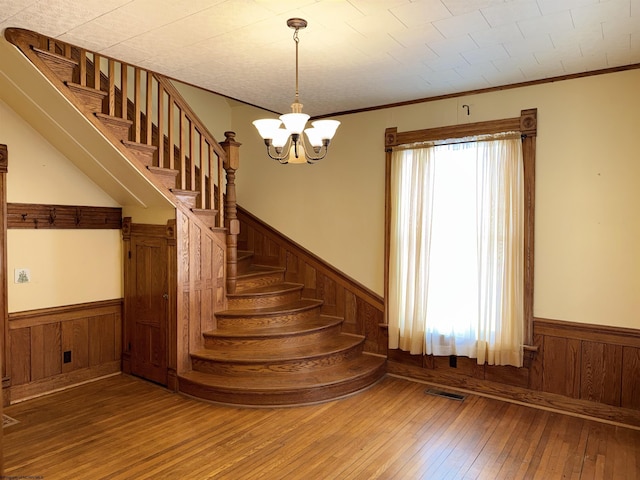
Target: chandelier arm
x,y
321,153
279,157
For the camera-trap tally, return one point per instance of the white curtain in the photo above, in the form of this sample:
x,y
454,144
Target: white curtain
x,y
456,250
411,171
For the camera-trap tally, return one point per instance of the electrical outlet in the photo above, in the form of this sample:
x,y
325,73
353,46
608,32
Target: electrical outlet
x,y
66,357
453,361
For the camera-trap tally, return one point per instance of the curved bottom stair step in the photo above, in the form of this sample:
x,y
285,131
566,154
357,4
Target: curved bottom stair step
x,y
278,389
250,354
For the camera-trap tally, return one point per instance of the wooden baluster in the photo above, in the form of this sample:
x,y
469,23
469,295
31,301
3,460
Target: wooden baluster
x,y
124,85
183,153
112,88
220,202
96,71
83,67
231,164
136,104
160,126
67,50
203,172
149,109
192,160
212,183
170,127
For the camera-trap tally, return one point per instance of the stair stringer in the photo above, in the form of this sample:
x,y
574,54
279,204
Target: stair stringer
x,y
44,100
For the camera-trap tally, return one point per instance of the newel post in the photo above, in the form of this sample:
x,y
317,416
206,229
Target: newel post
x,y
231,223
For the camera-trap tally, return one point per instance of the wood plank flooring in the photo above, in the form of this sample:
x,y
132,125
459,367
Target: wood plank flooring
x,y
125,428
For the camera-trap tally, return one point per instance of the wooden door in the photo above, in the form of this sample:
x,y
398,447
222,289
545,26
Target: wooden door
x,y
147,315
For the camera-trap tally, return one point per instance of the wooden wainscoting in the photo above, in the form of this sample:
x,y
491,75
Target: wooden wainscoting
x,y
362,309
41,339
589,362
584,369
200,280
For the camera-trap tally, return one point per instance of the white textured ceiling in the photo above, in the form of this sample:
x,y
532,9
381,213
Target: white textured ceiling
x,y
355,53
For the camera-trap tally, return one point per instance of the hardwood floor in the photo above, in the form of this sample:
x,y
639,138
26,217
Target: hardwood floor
x,y
124,428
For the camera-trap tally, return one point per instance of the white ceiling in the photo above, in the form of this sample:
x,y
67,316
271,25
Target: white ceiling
x,y
355,53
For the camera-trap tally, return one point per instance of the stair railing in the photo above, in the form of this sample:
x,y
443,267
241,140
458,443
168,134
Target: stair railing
x,y
160,117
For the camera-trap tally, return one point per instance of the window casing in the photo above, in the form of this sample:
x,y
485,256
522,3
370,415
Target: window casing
x,y
526,124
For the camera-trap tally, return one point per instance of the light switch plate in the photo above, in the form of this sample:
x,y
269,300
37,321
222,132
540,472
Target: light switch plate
x,y
22,275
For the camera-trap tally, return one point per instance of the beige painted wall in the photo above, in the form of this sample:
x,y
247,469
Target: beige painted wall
x,y
587,260
67,266
213,110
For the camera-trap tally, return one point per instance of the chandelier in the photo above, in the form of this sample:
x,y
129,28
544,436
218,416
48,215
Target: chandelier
x,y
288,144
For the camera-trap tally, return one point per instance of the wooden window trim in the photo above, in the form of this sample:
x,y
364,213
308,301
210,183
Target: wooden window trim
x,y
526,124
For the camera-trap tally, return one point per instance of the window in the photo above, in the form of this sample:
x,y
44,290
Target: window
x,y
459,240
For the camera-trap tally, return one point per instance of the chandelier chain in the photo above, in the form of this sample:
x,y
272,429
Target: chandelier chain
x,y
296,39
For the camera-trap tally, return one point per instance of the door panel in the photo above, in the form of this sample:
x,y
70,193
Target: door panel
x,y
148,312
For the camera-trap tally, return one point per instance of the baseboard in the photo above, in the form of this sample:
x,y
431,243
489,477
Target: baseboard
x,y
523,396
20,393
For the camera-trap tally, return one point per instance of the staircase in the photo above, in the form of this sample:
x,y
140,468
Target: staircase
x,y
273,347
266,345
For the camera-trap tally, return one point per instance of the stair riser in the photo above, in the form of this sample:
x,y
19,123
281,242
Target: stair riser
x,y
263,301
144,153
262,343
245,283
244,263
273,320
188,198
62,67
119,127
92,100
284,397
284,366
165,176
208,220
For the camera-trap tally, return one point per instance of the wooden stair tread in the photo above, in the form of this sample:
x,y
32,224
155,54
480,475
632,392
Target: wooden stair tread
x,y
268,381
205,211
139,146
273,288
113,119
288,353
57,57
240,332
86,89
301,305
163,171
